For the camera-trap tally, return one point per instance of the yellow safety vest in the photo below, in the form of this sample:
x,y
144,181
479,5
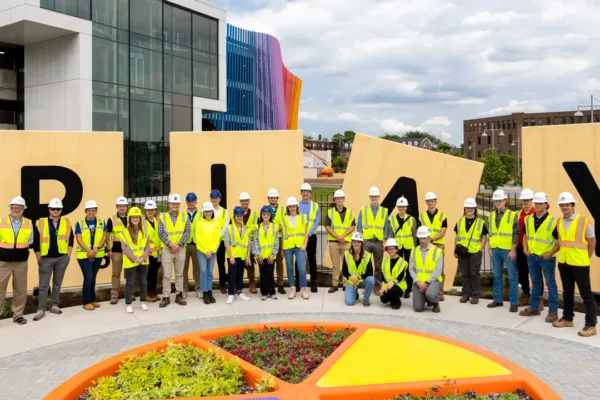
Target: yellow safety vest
x,y
222,217
339,227
501,237
207,235
238,244
312,214
155,248
62,238
361,269
435,226
373,228
463,237
293,238
278,218
427,267
174,232
193,226
266,240
136,248
390,274
8,239
541,241
251,224
117,228
573,243
86,237
403,236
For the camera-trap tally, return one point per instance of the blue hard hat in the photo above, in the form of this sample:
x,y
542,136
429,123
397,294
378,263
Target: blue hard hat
x,y
238,211
266,209
215,194
191,196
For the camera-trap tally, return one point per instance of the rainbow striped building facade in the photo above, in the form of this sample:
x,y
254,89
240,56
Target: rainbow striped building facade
x,y
262,94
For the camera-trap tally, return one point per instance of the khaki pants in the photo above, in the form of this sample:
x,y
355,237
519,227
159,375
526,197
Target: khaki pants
x,y
191,251
279,263
117,269
337,250
443,248
172,261
18,270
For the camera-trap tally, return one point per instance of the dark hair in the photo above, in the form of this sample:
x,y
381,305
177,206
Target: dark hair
x,y
362,249
465,211
260,218
287,210
213,214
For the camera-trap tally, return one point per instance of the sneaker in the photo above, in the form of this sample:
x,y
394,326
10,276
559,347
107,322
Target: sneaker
x,y
205,298
20,320
272,296
114,300
164,302
183,295
199,294
230,299
292,294
211,297
436,308
551,317
129,309
263,298
464,299
304,294
396,306
144,307
493,304
38,316
56,310
89,307
313,287
563,323
474,300
242,296
528,312
587,331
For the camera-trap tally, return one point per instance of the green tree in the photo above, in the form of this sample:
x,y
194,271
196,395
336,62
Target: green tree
x,y
509,162
494,170
389,136
337,142
349,136
339,164
435,141
308,137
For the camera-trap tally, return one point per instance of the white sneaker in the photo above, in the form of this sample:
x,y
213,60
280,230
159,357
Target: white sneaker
x,y
230,299
129,310
144,307
242,296
263,298
273,296
292,294
199,294
304,294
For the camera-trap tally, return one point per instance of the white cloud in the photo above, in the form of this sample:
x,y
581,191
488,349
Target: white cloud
x,y
516,106
308,115
485,17
395,126
446,135
350,117
443,120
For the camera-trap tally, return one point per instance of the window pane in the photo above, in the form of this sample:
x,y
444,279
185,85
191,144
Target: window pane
x,y
104,89
182,75
153,96
182,51
182,101
182,27
147,18
168,74
201,33
48,4
66,7
168,23
124,118
145,42
123,16
105,116
83,9
104,54
214,82
146,121
214,36
105,12
145,69
103,31
182,119
201,80
123,66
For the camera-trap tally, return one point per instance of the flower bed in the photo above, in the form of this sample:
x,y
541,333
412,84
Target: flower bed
x,y
178,371
470,395
291,355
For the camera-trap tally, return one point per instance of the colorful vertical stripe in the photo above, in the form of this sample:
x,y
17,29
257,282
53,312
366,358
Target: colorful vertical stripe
x,y
262,94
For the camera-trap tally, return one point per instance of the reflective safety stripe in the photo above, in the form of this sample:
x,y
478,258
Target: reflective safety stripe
x,y
435,226
373,227
501,236
86,237
472,237
18,241
405,236
361,269
118,227
339,226
62,239
573,243
426,268
174,232
238,243
390,274
294,237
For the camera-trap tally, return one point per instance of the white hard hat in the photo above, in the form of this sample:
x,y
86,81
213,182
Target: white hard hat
x,y
430,196
55,203
207,206
499,195
374,191
244,196
566,198
423,232
150,205
526,194
470,203
402,202
121,201
391,242
540,197
90,204
291,201
174,198
339,193
18,201
357,237
305,186
272,193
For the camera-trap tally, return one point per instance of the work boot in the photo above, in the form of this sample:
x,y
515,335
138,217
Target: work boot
x,y
366,303
252,286
292,294
514,308
551,317
464,299
205,298
96,305
89,307
313,286
164,302
211,297
304,294
529,312
396,306
428,303
563,323
474,300
152,297
587,331
332,289
441,296
493,304
541,307
406,295
38,316
114,300
524,299
180,300
281,289
436,308
223,290
377,290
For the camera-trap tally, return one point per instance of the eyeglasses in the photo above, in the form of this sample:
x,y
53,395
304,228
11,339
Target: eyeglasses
x,y
55,209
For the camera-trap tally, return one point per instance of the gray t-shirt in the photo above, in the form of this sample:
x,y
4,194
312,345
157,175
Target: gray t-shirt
x,y
589,229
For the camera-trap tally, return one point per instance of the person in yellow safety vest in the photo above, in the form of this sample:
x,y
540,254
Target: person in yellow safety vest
x,y
277,218
52,244
403,228
312,210
358,270
540,246
222,216
208,238
191,251
136,244
237,245
526,198
250,220
503,228
265,246
374,226
437,223
395,271
295,239
471,236
339,224
151,227
115,225
16,235
577,243
425,266
173,230
91,234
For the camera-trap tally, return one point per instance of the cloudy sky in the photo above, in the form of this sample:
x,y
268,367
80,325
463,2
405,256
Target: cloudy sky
x,y
387,66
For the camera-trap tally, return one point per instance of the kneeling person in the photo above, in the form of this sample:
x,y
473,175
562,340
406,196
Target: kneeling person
x,y
357,268
394,270
426,263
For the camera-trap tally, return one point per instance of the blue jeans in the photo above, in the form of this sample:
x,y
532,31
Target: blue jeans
x,y
206,271
301,262
537,266
367,284
89,269
499,258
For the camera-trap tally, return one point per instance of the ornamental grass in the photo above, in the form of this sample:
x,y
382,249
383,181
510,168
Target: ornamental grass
x,y
470,395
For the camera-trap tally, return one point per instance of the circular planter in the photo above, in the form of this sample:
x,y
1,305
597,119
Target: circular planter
x,y
375,362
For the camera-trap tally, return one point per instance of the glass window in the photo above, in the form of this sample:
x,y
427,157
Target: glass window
x,y
514,124
525,122
504,124
572,120
146,42
147,18
83,9
214,36
182,27
105,115
470,156
541,121
214,82
168,75
201,33
564,120
555,120
182,119
146,68
478,139
489,140
123,67
104,54
510,152
168,23
48,4
66,7
548,121
146,121
201,80
470,142
499,139
478,154
510,139
532,122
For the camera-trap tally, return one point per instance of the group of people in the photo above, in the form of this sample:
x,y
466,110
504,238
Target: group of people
x,y
387,254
